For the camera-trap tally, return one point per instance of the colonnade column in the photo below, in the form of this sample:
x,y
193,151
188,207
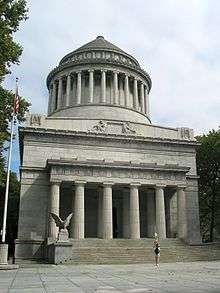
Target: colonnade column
x,y
135,94
79,213
50,100
79,87
181,213
160,212
54,207
115,87
68,88
126,91
59,97
147,104
91,85
103,86
134,212
142,99
107,232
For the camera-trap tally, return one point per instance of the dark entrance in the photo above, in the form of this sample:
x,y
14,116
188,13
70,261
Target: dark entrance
x,y
115,223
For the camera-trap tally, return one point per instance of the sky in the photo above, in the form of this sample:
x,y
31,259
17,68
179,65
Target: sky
x,y
176,41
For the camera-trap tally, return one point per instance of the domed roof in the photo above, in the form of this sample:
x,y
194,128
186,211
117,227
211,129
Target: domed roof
x,y
100,43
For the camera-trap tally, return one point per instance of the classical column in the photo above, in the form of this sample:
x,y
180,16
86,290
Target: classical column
x,y
115,87
103,86
59,97
151,224
79,88
126,221
135,94
78,230
91,85
50,100
134,212
160,212
181,213
100,216
126,90
142,98
120,90
54,207
107,232
68,88
147,105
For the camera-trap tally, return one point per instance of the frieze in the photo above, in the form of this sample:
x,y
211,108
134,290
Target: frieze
x,y
116,173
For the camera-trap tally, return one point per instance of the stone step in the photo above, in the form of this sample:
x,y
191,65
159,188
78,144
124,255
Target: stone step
x,y
122,251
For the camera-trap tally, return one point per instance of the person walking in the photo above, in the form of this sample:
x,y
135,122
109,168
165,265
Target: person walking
x,y
157,252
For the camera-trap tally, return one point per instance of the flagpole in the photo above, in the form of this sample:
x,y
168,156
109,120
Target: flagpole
x,y
8,172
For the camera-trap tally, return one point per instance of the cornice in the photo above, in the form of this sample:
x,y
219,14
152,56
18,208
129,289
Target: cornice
x,y
94,135
117,165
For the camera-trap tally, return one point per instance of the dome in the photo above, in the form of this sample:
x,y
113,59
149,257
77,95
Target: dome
x,y
99,79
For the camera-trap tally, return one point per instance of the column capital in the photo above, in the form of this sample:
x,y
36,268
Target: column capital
x,y
91,70
135,184
115,71
160,186
79,182
108,183
181,187
79,71
103,70
55,182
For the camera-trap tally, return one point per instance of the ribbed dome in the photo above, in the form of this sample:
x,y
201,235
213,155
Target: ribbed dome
x,y
100,43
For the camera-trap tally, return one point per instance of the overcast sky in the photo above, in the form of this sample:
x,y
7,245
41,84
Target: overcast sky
x,y
176,41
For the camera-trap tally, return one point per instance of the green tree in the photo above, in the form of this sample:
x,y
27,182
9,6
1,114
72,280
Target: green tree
x,y
208,164
12,12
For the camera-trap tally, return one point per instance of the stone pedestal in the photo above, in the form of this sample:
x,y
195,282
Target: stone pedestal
x,y
3,254
59,252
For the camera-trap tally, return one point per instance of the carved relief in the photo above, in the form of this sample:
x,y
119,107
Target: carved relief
x,y
35,119
185,133
126,128
100,127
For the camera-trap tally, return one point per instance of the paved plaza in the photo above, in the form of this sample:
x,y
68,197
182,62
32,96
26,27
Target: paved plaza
x,y
172,277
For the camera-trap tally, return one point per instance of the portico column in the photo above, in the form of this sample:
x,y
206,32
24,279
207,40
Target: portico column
x,y
115,87
54,207
68,88
126,91
142,98
59,101
79,86
135,94
78,213
134,212
91,85
107,232
181,213
160,212
103,86
147,105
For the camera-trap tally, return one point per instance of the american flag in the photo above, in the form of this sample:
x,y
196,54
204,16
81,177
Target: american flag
x,y
16,100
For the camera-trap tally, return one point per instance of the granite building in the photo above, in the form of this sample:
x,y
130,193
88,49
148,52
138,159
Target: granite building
x,y
97,153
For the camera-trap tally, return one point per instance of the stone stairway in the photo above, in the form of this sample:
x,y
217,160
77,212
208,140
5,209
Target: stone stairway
x,y
127,251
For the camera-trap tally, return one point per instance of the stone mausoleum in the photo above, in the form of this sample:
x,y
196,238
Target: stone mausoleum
x,y
97,153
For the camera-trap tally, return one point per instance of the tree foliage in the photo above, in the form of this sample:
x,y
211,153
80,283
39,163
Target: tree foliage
x,y
12,12
208,164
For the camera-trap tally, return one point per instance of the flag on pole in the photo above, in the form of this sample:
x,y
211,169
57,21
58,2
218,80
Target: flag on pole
x,y
16,100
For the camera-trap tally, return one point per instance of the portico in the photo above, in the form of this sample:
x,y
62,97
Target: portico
x,y
122,208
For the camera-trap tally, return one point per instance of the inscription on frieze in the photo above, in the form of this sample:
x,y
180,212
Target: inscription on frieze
x,y
119,173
